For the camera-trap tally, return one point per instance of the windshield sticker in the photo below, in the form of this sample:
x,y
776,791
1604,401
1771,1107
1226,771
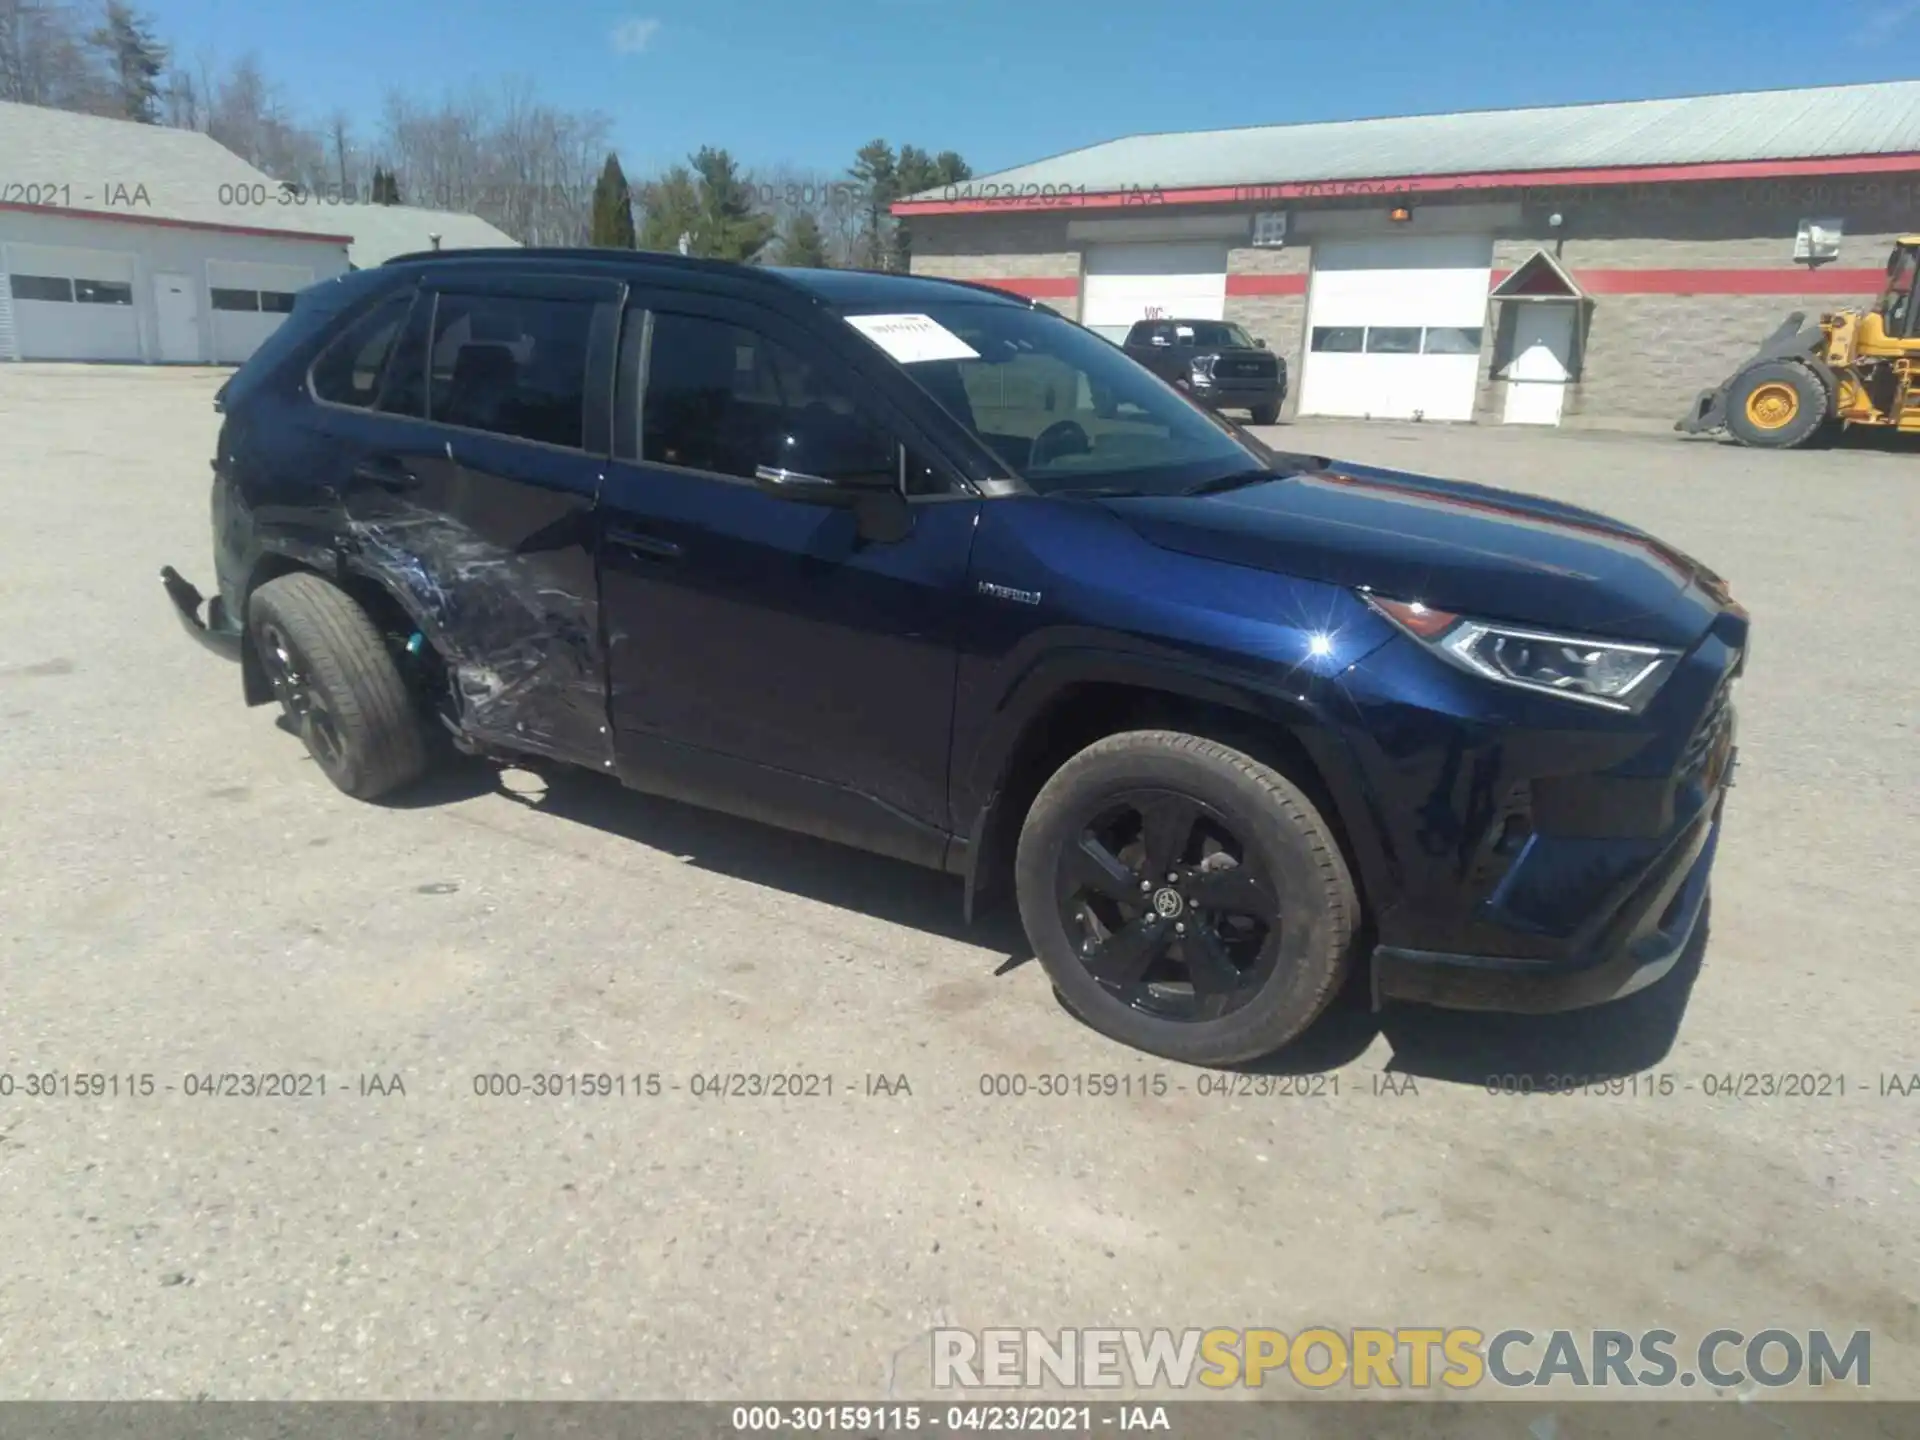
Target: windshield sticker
x,y
911,339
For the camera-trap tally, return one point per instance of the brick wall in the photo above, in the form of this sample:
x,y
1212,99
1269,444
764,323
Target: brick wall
x,y
1639,356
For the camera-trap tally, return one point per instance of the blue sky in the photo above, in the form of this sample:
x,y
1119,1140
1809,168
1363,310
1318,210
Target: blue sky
x,y
805,82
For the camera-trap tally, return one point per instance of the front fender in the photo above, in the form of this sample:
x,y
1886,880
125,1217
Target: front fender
x,y
1304,710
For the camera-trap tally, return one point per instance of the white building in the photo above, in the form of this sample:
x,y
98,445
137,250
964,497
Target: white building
x,y
128,242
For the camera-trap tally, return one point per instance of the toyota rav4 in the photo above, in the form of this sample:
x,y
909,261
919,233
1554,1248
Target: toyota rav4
x,y
862,556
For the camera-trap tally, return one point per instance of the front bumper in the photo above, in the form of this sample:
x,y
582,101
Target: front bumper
x,y
1240,394
1645,941
217,631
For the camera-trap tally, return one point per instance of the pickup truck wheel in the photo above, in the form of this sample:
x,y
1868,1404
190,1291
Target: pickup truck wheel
x,y
1185,898
337,685
1265,414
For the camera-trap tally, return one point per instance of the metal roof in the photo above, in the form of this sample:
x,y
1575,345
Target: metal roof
x,y
1828,121
129,171
381,232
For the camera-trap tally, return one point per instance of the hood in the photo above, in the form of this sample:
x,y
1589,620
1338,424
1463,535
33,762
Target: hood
x,y
1473,549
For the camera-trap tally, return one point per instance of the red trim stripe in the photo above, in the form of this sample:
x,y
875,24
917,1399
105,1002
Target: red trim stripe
x,y
1828,281
1036,287
1825,281
1148,194
134,217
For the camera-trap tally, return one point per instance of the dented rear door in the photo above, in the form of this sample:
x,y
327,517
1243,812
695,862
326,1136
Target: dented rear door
x,y
470,495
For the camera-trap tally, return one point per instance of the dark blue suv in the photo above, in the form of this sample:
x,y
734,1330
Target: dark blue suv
x,y
862,555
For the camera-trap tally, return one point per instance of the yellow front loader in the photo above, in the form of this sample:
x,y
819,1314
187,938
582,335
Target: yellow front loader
x,y
1850,368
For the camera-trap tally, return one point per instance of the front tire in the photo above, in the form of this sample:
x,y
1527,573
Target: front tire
x,y
337,684
1184,897
1776,405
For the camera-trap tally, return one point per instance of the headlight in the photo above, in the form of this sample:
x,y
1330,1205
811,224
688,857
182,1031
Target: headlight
x,y
1610,673
1203,367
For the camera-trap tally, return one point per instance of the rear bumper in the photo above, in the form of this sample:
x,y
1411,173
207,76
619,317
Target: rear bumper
x,y
1645,941
217,631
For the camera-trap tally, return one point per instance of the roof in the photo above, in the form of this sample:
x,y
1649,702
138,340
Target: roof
x,y
1773,125
841,289
381,232
93,166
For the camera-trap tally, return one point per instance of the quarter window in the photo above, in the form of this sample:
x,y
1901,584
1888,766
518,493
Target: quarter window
x,y
724,398
511,365
348,370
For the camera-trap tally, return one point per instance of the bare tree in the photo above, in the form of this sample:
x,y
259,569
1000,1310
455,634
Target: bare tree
x,y
507,156
245,114
44,57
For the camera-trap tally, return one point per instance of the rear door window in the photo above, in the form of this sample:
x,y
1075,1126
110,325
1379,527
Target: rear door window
x,y
511,365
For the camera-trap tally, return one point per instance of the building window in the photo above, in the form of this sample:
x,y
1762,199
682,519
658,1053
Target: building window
x,y
1453,340
1339,339
102,292
1393,339
276,302
43,287
236,300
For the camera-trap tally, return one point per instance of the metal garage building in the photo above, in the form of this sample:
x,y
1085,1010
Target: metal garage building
x,y
133,242
1528,266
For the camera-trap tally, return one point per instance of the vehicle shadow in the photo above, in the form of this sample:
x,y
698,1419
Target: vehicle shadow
x,y
820,870
1515,1052
1456,1047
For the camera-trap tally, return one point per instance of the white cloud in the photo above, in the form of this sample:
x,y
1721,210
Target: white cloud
x,y
1882,22
630,37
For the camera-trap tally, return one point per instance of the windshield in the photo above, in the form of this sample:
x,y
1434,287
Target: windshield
x,y
1063,408
1899,296
1217,333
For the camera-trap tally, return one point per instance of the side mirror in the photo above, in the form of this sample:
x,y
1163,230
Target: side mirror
x,y
880,510
1261,343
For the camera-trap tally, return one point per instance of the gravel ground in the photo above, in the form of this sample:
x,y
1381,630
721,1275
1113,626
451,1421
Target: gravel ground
x,y
182,894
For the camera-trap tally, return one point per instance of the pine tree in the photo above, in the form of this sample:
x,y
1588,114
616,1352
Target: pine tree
x,y
670,208
135,61
804,244
729,227
876,172
612,208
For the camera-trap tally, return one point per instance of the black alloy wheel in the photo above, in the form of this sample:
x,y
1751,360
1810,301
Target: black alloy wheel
x,y
1167,908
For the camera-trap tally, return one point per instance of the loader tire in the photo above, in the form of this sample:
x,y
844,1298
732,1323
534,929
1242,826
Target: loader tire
x,y
1777,405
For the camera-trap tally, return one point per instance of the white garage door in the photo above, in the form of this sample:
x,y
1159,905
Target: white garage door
x,y
1126,283
1395,325
72,304
249,303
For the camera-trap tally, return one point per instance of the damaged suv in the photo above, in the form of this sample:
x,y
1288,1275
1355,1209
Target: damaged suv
x,y
863,556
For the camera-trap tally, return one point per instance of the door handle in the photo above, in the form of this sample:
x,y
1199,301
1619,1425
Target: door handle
x,y
387,473
644,544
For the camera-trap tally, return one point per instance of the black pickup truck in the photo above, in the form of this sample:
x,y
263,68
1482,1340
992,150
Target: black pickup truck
x,y
1216,362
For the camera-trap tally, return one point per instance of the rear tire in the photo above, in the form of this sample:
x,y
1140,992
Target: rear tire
x,y
1777,405
338,685
1254,884
1265,414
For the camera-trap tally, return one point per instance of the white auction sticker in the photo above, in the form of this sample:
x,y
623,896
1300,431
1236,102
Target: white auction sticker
x,y
913,338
